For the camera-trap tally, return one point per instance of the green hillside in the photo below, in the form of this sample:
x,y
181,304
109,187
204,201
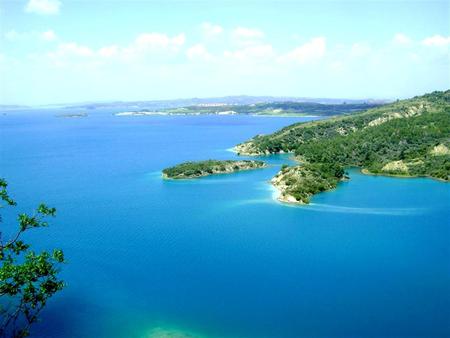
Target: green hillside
x,y
274,108
406,138
209,167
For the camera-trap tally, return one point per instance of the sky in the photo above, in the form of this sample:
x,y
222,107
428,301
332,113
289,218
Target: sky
x,y
62,51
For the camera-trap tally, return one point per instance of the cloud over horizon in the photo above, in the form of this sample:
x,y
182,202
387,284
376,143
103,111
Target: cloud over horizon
x,y
140,50
44,7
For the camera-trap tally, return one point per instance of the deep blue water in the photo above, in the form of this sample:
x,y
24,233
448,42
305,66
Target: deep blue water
x,y
217,256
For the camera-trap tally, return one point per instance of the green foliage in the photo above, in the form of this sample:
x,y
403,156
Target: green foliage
x,y
408,140
403,131
277,108
27,279
203,168
394,139
293,136
311,178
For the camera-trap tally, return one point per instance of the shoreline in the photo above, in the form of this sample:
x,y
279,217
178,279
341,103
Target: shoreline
x,y
277,193
365,171
140,114
165,177
290,200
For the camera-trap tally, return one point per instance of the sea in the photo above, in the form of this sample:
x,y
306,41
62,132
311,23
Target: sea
x,y
219,256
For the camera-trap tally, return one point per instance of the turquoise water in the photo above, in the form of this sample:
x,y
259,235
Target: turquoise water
x,y
217,256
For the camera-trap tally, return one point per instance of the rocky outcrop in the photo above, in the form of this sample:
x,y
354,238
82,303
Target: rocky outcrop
x,y
299,183
412,111
395,167
440,150
249,148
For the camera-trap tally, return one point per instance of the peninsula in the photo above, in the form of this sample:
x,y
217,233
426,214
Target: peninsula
x,y
408,138
261,109
189,170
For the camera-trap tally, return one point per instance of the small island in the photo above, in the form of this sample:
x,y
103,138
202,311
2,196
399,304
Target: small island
x,y
188,170
75,115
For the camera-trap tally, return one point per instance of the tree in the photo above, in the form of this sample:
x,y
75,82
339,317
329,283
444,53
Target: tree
x,y
27,279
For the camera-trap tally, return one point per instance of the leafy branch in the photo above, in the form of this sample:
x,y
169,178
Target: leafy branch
x,y
27,279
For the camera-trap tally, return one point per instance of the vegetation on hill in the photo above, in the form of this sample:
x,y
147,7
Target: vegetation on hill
x,y
204,168
405,138
296,184
275,108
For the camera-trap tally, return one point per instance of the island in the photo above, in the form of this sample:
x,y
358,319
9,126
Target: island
x,y
188,170
407,138
74,115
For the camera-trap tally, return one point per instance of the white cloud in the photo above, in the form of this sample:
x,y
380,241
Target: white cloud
x,y
247,33
71,49
70,53
360,49
210,30
437,40
414,57
156,41
198,52
310,51
143,48
251,53
402,39
12,35
337,66
161,50
48,35
108,51
152,43
46,7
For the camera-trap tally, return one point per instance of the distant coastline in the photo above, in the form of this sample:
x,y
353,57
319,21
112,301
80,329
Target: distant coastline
x,y
138,113
272,109
75,115
162,113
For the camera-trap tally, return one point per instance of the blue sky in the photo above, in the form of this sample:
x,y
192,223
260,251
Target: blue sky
x,y
55,51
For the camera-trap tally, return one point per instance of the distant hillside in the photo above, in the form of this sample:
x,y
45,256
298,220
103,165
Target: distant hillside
x,y
197,169
154,105
274,109
406,138
4,107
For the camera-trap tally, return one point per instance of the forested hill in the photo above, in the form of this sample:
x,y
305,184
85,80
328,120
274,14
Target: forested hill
x,y
275,109
407,138
209,167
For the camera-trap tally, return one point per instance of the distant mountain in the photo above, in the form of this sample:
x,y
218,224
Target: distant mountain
x,y
227,100
12,107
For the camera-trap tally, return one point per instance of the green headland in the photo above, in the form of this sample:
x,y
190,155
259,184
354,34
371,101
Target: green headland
x,y
189,170
408,138
262,109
